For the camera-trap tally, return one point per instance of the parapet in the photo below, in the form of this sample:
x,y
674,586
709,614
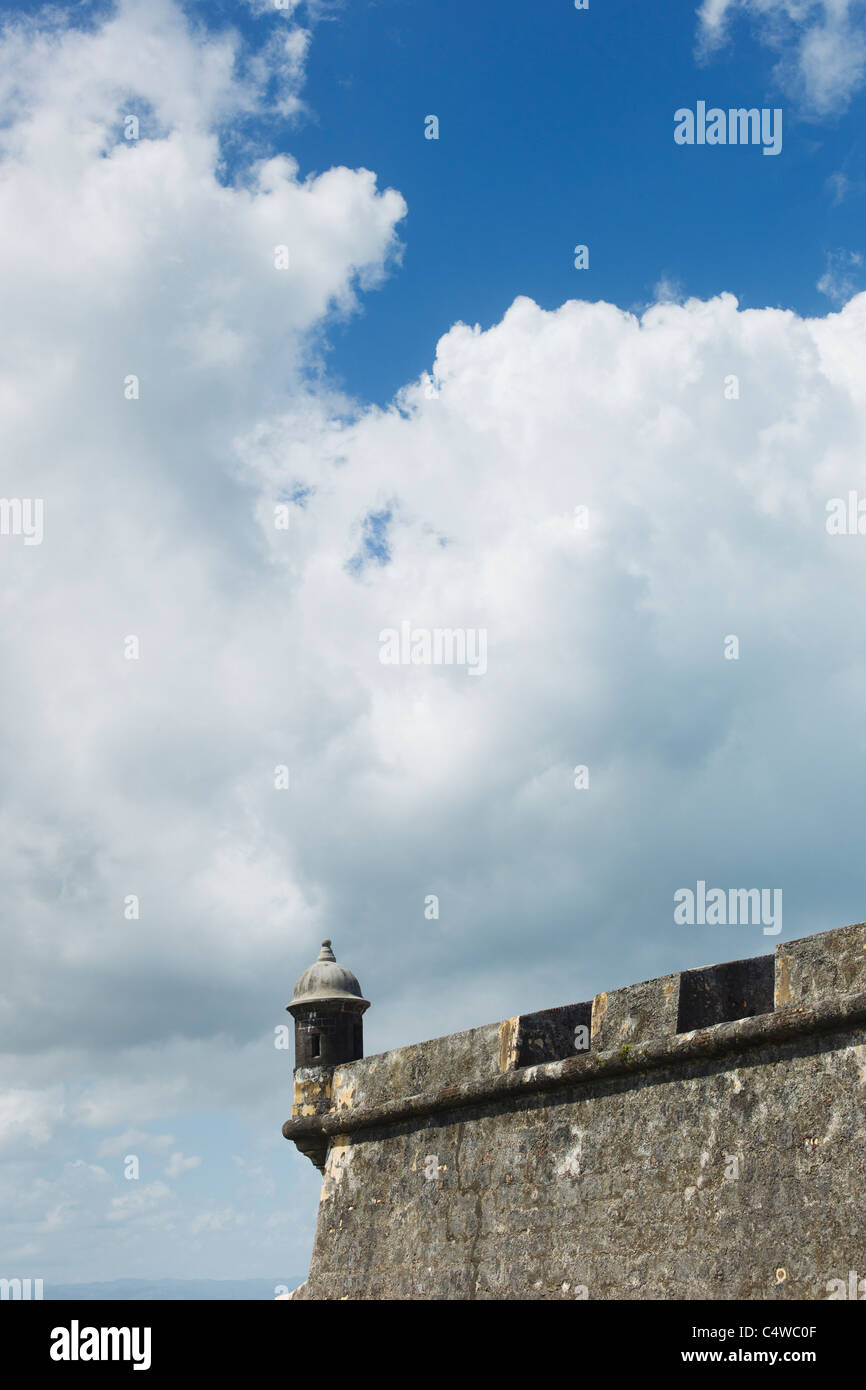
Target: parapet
x,y
813,984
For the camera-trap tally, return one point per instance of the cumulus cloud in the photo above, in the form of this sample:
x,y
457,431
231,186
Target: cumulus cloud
x,y
167,276
821,44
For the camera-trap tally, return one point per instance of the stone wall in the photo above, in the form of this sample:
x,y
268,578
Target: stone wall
x,y
706,1140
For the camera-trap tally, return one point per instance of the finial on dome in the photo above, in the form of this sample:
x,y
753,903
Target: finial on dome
x,y
326,953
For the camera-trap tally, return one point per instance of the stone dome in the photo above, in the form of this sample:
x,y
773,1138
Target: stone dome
x,y
325,979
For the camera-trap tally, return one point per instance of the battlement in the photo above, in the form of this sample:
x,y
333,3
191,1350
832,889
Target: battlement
x,y
643,1058
800,987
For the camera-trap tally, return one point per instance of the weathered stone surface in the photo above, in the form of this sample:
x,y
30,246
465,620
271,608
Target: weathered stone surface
x,y
312,1097
682,1164
624,1016
410,1070
810,968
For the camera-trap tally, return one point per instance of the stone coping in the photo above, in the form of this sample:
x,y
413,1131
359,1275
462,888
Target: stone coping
x,y
787,1022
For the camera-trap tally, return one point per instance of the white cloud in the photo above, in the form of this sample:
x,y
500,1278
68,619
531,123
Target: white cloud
x,y
154,1203
178,1165
134,1141
283,8
217,1221
28,1117
668,290
821,44
839,186
843,276
173,274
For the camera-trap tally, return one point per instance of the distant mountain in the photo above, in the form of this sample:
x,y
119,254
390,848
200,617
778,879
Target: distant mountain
x,y
145,1290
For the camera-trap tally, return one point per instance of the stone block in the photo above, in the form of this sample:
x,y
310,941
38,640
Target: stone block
x,y
821,967
636,1013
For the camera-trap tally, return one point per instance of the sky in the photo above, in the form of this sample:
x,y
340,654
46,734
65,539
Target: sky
x,y
288,388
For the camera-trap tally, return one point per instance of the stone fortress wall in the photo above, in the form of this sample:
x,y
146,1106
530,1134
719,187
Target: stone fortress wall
x,y
707,1140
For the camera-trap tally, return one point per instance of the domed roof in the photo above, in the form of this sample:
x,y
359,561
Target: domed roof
x,y
325,979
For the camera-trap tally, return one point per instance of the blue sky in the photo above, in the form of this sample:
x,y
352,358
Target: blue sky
x,y
556,129
245,468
